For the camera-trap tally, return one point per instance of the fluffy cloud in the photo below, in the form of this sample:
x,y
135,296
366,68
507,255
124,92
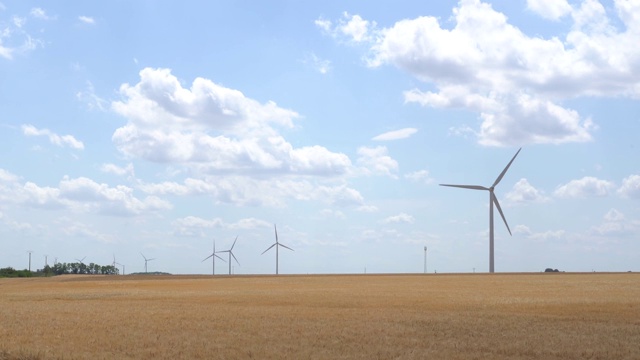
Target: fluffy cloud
x,y
400,218
351,27
376,161
550,9
194,226
15,35
78,194
523,192
419,176
615,223
395,135
515,82
117,170
39,13
247,191
213,127
630,187
588,186
87,19
320,65
64,140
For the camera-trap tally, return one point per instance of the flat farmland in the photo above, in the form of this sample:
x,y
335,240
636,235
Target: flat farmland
x,y
466,316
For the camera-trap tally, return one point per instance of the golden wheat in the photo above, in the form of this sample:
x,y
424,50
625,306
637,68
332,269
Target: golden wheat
x,y
501,316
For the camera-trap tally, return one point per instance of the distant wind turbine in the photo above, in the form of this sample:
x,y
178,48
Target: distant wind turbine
x,y
214,255
276,244
230,251
122,268
145,262
81,260
492,200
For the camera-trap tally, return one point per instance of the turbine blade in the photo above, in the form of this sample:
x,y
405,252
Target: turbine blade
x,y
234,257
472,187
269,248
234,243
221,258
284,246
207,258
494,199
151,259
505,169
276,230
143,256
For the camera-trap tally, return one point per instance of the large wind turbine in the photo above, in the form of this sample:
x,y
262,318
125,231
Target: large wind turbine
x,y
230,251
214,255
276,244
145,262
492,200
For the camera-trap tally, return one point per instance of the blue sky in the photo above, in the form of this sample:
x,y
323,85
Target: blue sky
x,y
158,127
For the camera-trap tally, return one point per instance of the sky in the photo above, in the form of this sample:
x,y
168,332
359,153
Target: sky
x,y
159,127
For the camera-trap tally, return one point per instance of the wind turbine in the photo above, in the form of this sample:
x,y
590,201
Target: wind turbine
x,y
276,244
230,251
81,260
492,200
214,256
145,262
122,268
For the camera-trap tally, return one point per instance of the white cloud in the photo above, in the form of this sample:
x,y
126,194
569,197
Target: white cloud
x,y
367,208
247,191
376,161
39,13
351,27
213,127
117,170
194,226
7,177
588,186
330,213
515,82
89,97
80,195
630,187
86,194
523,192
395,135
419,176
549,9
320,65
64,140
400,218
615,223
15,38
87,19
552,235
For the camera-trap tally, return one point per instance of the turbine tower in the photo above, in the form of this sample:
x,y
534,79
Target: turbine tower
x,y
276,244
145,262
214,256
230,251
492,200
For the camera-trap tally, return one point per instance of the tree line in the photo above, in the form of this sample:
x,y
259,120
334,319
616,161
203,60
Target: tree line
x,y
62,269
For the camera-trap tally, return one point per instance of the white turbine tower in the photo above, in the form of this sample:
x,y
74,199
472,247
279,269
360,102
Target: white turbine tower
x,y
276,244
230,251
145,262
214,255
492,200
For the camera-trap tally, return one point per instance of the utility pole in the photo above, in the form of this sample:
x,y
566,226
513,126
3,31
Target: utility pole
x,y
425,259
29,259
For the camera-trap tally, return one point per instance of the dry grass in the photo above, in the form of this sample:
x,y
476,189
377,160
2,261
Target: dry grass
x,y
508,316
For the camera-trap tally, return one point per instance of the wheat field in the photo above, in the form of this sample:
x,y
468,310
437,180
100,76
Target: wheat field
x,y
466,316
